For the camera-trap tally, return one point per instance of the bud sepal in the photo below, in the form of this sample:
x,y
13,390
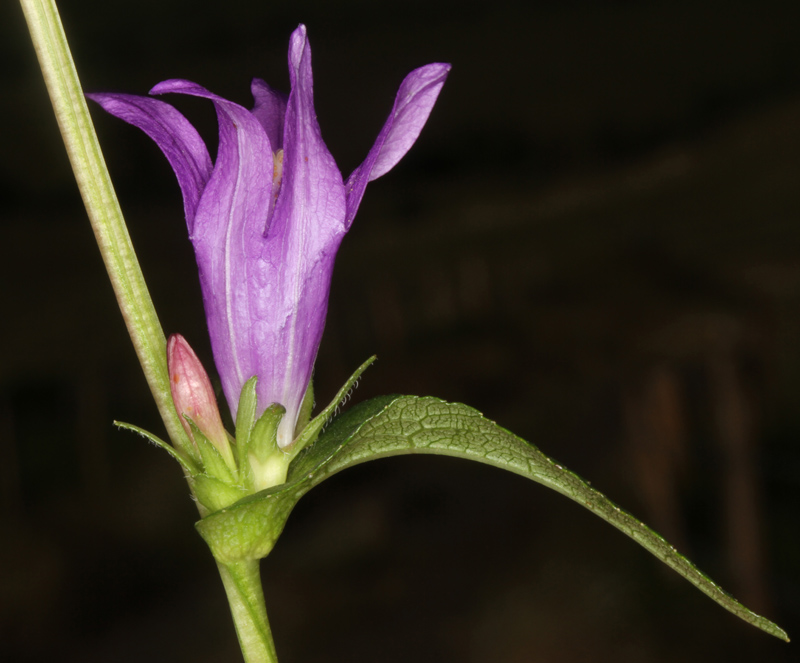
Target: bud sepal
x,y
190,465
214,464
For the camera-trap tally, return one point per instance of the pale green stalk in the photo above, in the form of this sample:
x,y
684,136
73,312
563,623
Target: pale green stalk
x,y
245,592
101,203
241,580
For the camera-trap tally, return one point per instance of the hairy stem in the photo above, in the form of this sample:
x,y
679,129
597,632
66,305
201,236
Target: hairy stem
x,y
242,580
101,203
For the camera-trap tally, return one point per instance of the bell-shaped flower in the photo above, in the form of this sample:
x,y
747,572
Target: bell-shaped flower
x,y
267,217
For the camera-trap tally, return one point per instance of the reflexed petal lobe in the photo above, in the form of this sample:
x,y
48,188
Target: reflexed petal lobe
x,y
413,104
178,140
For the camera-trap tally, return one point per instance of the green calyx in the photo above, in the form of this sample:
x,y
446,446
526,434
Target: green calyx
x,y
252,461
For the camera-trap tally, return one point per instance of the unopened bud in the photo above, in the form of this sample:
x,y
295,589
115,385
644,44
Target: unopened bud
x,y
193,395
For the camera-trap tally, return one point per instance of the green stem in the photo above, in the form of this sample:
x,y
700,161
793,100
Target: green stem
x,y
101,203
242,582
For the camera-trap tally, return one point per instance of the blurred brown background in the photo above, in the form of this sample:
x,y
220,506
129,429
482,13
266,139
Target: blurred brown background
x,y
595,242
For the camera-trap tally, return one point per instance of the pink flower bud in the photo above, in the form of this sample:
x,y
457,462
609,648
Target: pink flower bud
x,y
193,395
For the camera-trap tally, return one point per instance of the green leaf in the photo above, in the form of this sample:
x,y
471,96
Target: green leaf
x,y
398,425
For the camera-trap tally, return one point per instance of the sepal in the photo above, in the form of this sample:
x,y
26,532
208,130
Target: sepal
x,y
215,494
190,465
268,462
310,432
245,420
214,464
306,408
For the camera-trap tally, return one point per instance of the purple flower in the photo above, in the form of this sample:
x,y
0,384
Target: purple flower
x,y
267,218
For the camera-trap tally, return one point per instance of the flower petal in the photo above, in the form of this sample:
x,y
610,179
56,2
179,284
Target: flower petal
x,y
306,230
270,110
178,140
412,106
232,219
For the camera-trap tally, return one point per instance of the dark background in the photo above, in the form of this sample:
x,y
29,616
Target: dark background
x,y
595,242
